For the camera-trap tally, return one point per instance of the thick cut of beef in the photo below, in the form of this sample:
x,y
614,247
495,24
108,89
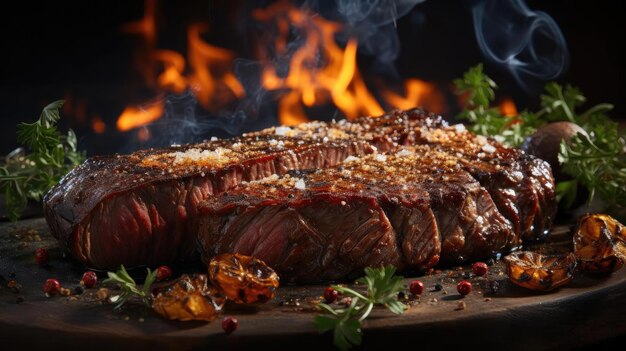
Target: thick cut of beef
x,y
522,186
136,209
410,208
140,209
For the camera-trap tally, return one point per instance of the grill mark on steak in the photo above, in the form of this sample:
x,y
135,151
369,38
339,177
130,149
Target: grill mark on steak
x,y
103,231
309,240
362,210
521,185
88,208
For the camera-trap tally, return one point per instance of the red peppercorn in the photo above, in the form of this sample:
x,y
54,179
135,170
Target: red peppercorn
x,y
90,279
480,268
41,256
330,295
416,287
163,273
229,324
51,286
464,287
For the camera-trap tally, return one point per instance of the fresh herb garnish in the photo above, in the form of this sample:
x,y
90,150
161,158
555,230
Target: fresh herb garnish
x,y
487,120
51,155
598,162
129,287
382,289
595,160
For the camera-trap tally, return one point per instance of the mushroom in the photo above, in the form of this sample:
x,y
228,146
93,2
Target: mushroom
x,y
544,143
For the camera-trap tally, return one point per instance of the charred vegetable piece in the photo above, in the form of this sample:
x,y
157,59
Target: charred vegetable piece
x,y
540,272
189,298
243,279
600,243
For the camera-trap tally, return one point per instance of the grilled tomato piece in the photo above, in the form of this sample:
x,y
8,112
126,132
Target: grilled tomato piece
x,y
243,279
540,272
600,243
189,298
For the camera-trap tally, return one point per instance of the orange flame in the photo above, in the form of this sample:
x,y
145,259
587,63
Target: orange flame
x,y
320,71
210,77
133,117
98,125
172,77
213,83
418,93
145,28
309,81
508,108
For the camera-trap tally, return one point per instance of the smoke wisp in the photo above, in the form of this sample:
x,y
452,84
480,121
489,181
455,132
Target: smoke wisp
x,y
529,44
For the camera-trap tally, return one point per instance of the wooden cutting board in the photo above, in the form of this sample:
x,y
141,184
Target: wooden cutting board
x,y
588,311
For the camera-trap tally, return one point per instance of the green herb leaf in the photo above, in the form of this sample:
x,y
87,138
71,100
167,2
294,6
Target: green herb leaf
x,y
50,114
129,287
347,334
598,162
325,323
24,175
349,292
150,278
487,120
479,87
382,289
559,104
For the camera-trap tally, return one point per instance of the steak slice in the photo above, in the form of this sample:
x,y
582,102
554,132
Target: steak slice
x,y
135,209
403,209
521,185
139,209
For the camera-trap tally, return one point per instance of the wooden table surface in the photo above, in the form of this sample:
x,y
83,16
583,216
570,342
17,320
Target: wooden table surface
x,y
588,311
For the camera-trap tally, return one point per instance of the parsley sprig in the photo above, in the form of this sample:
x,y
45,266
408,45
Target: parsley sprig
x,y
487,120
29,175
595,159
130,289
382,289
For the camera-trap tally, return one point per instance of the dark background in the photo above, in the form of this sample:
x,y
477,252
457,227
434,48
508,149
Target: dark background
x,y
75,50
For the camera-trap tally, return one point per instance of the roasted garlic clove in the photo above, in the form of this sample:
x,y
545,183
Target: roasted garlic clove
x,y
540,272
189,298
600,243
243,279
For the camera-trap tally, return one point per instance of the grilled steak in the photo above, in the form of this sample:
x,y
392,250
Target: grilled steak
x,y
135,209
141,209
522,186
402,208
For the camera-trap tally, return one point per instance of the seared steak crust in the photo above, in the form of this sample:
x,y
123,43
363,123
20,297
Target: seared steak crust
x,y
141,209
521,185
401,208
136,209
